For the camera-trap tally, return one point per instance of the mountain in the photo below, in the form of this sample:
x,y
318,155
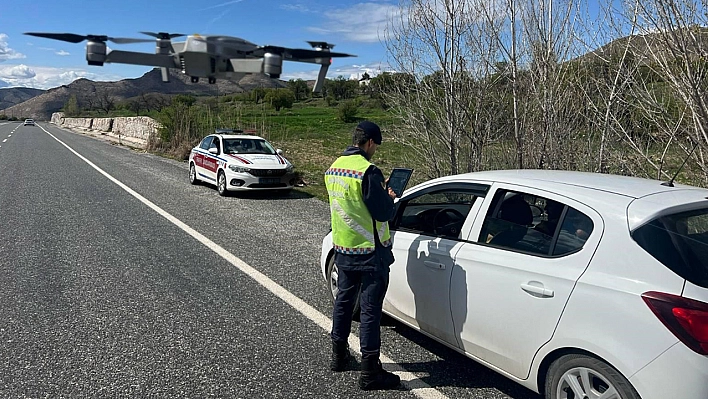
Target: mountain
x,y
88,92
645,49
16,95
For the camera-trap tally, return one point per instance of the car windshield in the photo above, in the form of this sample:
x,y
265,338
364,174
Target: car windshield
x,y
248,146
680,242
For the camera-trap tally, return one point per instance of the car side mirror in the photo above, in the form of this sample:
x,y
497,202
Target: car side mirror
x,y
279,151
214,150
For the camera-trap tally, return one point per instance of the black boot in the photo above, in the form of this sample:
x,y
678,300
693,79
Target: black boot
x,y
342,359
374,377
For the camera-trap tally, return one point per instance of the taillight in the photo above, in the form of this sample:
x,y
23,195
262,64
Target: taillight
x,y
686,318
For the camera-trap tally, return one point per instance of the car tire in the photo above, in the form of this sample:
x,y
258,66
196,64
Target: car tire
x,y
193,174
221,184
332,273
590,378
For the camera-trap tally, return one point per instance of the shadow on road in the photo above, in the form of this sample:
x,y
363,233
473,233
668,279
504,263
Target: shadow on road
x,y
454,369
272,195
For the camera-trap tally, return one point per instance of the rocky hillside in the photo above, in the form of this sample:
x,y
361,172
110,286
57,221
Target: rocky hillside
x,y
16,95
87,92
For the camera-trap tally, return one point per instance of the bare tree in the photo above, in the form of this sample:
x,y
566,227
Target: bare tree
x,y
105,100
443,49
677,47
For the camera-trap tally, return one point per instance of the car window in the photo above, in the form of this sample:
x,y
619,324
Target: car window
x,y
534,224
437,213
215,144
575,230
680,242
204,145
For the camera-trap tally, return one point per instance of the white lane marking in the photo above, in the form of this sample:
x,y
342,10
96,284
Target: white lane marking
x,y
412,382
4,141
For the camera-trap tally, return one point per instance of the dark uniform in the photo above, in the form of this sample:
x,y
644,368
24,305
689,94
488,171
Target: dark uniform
x,y
364,270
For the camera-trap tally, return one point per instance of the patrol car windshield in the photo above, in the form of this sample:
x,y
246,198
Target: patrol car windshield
x,y
248,146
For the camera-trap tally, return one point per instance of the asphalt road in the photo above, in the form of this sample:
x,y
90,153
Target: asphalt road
x,y
102,296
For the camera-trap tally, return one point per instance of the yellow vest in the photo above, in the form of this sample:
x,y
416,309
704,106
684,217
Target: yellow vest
x,y
352,230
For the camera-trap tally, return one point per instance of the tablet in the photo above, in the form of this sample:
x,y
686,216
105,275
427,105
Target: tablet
x,y
399,180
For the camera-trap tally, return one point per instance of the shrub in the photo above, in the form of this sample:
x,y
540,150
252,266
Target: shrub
x,y
346,112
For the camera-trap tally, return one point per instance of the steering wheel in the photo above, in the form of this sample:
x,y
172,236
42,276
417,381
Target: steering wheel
x,y
447,224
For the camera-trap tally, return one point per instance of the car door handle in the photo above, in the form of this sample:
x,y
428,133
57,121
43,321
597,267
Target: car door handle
x,y
434,265
537,290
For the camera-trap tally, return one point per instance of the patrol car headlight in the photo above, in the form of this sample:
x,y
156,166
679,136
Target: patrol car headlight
x,y
239,169
290,168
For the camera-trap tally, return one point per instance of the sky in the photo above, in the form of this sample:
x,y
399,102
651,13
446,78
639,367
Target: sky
x,y
27,61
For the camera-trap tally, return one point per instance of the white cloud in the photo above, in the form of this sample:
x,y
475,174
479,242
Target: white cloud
x,y
47,77
17,72
348,71
6,53
363,22
62,53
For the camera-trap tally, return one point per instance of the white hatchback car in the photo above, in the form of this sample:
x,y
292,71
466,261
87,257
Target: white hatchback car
x,y
575,285
240,163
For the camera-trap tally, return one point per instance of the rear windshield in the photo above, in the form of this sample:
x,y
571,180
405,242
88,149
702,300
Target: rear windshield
x,y
680,242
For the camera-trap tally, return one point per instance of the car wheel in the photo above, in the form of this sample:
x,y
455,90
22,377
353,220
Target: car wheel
x,y
193,174
584,377
221,184
332,276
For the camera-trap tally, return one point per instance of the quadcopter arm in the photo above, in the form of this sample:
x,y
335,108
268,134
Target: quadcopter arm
x,y
137,58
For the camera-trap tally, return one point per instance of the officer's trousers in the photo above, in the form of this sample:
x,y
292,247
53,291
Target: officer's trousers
x,y
373,287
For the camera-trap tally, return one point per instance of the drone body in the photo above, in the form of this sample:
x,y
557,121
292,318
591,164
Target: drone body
x,y
208,57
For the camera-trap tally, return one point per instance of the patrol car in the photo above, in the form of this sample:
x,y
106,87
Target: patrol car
x,y
240,162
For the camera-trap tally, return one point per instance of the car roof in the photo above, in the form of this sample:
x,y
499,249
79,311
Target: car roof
x,y
629,186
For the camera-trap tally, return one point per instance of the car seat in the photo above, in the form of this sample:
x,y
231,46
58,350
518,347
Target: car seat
x,y
517,213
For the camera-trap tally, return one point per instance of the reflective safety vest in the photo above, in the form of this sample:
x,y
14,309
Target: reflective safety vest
x,y
352,229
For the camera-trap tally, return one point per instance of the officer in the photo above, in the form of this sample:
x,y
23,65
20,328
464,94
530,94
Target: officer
x,y
361,207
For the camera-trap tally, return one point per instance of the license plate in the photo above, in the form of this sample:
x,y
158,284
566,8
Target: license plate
x,y
269,180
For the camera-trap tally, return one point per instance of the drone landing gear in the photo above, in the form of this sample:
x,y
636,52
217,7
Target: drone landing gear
x,y
212,80
195,79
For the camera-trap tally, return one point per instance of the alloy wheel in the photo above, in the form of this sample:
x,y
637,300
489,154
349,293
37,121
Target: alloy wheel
x,y
585,383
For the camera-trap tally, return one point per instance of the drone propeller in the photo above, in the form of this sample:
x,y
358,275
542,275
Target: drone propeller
x,y
298,53
163,35
74,38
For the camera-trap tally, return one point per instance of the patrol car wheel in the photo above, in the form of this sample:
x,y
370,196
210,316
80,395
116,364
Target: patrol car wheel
x,y
332,276
193,174
221,184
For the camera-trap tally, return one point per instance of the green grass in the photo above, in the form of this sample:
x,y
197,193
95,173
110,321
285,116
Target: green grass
x,y
312,137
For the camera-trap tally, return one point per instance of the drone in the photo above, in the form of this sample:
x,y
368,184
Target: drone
x,y
210,57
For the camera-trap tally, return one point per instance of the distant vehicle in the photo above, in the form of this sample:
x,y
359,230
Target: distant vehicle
x,y
29,122
575,285
240,162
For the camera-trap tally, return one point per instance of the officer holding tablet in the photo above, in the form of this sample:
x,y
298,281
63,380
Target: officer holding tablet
x,y
361,205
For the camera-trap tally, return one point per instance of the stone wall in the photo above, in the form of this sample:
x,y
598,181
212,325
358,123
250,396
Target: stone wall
x,y
57,117
135,129
141,127
82,123
102,124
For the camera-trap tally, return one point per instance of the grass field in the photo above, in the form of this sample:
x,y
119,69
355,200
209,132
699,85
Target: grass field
x,y
312,137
